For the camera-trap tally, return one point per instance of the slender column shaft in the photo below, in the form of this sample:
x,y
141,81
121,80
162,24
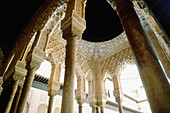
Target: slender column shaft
x,y
153,78
118,92
93,109
16,100
80,108
50,105
9,103
1,88
26,89
120,107
101,109
97,109
68,89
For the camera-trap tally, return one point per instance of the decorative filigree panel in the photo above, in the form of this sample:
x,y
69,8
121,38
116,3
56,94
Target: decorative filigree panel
x,y
56,17
48,13
56,46
84,64
114,63
100,49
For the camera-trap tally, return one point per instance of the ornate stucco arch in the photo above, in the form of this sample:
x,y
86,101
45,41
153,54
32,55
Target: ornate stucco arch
x,y
84,63
114,63
105,74
122,65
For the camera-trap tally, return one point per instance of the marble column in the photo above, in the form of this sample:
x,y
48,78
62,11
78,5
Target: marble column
x,y
19,73
1,81
72,26
50,104
12,94
80,93
68,89
16,98
80,108
101,109
91,95
118,94
53,85
34,59
99,81
26,89
120,106
155,83
101,102
97,109
52,92
93,109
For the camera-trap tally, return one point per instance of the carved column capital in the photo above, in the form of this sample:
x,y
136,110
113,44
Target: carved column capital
x,y
101,100
92,100
35,58
21,84
53,88
117,89
80,96
74,23
118,95
73,26
18,72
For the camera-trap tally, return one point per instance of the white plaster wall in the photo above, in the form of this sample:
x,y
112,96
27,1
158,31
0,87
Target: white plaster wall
x,y
38,97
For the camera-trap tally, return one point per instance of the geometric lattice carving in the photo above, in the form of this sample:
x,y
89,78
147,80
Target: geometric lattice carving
x,y
83,63
116,61
110,53
55,19
48,13
100,49
56,46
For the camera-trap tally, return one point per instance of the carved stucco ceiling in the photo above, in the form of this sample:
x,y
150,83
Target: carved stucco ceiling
x,y
110,52
100,49
92,49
